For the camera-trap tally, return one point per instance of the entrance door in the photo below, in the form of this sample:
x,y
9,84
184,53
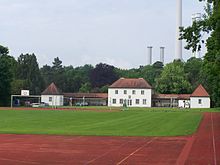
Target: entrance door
x,y
129,102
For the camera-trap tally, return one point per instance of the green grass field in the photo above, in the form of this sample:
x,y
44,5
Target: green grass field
x,y
153,109
122,123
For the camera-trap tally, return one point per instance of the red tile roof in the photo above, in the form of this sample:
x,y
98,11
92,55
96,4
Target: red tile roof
x,y
86,95
169,96
139,83
200,92
52,90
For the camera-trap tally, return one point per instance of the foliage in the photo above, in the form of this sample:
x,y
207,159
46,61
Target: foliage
x,y
29,71
5,76
46,72
211,67
128,73
193,71
103,74
152,72
3,50
130,123
148,72
17,85
85,88
173,79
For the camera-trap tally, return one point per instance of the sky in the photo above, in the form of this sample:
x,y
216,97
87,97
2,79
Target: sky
x,y
79,32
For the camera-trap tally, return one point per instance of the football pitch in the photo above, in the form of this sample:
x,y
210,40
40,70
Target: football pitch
x,y
121,123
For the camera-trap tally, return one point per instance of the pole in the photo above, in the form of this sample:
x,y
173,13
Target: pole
x,y
11,101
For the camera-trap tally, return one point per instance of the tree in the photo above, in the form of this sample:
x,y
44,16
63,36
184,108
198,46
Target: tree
x,y
57,64
152,72
85,88
193,71
128,73
29,71
103,74
46,72
211,67
5,76
173,79
17,85
3,50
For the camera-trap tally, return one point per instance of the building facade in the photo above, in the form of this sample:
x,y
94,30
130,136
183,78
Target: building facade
x,y
130,92
90,99
200,98
139,93
52,96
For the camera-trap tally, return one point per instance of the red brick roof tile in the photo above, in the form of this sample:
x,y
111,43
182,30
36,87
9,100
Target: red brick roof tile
x,y
169,96
200,92
139,83
52,90
87,95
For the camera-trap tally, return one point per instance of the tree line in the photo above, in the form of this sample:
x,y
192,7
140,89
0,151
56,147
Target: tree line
x,y
25,73
177,77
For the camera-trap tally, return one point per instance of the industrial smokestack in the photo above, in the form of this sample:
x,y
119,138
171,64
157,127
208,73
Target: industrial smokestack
x,y
149,55
162,54
178,49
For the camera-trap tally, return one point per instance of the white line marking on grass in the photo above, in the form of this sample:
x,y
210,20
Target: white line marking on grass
x,y
136,151
213,141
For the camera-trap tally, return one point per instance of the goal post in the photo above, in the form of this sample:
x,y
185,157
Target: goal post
x,y
25,97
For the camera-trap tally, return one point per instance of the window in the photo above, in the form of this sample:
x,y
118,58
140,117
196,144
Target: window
x,y
116,92
121,101
142,92
200,101
50,98
129,102
125,92
144,101
133,92
113,101
137,101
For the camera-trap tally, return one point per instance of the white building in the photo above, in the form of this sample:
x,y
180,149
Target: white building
x,y
52,95
130,92
138,93
200,98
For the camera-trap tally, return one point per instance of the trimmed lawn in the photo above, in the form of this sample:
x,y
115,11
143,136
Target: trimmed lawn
x,y
123,123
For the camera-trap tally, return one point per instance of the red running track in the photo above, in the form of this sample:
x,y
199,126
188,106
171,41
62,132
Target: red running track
x,y
202,148
206,147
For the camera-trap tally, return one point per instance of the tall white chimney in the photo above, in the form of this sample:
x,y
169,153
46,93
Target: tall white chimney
x,y
149,55
162,54
178,48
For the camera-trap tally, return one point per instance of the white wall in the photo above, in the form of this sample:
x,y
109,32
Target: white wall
x,y
129,96
194,102
184,103
57,100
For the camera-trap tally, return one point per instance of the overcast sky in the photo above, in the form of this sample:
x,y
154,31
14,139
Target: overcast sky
x,y
81,32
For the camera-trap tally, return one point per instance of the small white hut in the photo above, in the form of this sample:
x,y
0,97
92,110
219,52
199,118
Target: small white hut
x,y
200,98
52,95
